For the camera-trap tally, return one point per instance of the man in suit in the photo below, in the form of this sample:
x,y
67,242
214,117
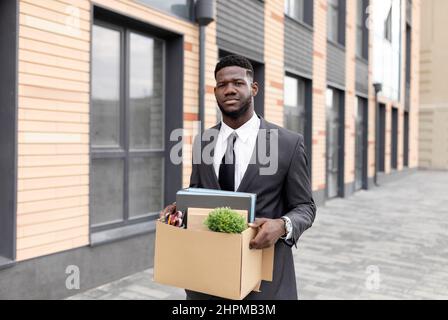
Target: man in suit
x,y
285,207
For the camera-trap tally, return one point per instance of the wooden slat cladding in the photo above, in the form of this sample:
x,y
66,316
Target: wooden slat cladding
x,y
240,27
53,128
53,116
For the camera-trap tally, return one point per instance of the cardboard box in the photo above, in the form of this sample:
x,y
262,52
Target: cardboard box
x,y
214,263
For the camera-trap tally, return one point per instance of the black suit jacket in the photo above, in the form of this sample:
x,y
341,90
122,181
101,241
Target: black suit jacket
x,y
285,193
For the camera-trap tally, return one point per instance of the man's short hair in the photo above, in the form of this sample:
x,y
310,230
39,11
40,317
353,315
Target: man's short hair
x,y
235,60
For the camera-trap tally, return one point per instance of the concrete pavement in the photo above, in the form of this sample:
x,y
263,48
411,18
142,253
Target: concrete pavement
x,y
390,242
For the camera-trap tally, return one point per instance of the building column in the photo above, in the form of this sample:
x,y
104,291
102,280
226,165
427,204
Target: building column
x,y
371,152
350,97
274,62
319,91
415,86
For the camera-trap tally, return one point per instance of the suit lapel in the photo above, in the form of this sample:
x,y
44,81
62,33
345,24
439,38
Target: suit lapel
x,y
254,165
210,170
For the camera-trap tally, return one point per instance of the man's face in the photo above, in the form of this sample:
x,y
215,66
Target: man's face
x,y
234,91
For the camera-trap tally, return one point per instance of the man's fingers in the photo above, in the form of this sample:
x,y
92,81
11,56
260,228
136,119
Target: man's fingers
x,y
258,222
258,241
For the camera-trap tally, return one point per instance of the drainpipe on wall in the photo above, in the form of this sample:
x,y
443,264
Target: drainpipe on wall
x,y
205,14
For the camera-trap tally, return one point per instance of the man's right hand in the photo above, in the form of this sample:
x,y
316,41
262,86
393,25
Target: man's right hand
x,y
170,209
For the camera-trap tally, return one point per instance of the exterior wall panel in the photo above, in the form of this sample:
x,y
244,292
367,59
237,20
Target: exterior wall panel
x,y
54,97
362,76
336,64
240,27
298,47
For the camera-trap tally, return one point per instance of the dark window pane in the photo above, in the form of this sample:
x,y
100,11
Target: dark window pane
x,y
105,87
388,26
145,186
291,91
294,109
359,41
360,27
360,12
146,92
333,143
359,142
107,191
294,9
333,20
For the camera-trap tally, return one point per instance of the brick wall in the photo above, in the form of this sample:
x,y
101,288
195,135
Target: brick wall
x,y
274,62
350,78
319,90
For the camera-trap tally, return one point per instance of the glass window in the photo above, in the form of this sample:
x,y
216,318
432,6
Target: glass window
x,y
333,143
294,109
146,95
145,186
361,31
387,46
128,172
295,9
106,87
388,26
333,20
107,191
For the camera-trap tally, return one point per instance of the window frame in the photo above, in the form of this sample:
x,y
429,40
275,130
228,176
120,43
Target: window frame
x,y
124,152
340,24
332,7
388,26
341,141
190,7
308,112
361,26
362,103
290,13
300,88
8,131
307,13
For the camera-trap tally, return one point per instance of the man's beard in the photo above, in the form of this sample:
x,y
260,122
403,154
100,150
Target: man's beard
x,y
237,113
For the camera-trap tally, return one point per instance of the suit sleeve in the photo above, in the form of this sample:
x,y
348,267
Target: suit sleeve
x,y
300,203
195,181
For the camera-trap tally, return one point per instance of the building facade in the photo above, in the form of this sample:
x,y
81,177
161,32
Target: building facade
x,y
93,92
433,132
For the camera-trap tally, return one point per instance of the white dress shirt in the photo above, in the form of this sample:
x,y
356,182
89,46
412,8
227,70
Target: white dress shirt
x,y
243,148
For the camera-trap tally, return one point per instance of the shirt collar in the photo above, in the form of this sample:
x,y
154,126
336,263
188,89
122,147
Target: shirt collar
x,y
243,132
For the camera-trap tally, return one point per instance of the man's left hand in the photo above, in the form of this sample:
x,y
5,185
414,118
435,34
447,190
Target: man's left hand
x,y
269,231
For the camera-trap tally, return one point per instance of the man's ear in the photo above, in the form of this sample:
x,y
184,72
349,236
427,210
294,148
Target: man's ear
x,y
254,88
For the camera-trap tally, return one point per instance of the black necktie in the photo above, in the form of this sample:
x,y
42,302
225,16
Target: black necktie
x,y
227,167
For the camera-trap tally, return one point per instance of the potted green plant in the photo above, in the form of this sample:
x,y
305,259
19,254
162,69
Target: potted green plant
x,y
225,220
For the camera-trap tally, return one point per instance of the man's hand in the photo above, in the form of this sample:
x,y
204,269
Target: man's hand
x,y
269,231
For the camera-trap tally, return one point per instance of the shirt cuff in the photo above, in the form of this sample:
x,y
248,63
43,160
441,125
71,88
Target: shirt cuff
x,y
289,234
